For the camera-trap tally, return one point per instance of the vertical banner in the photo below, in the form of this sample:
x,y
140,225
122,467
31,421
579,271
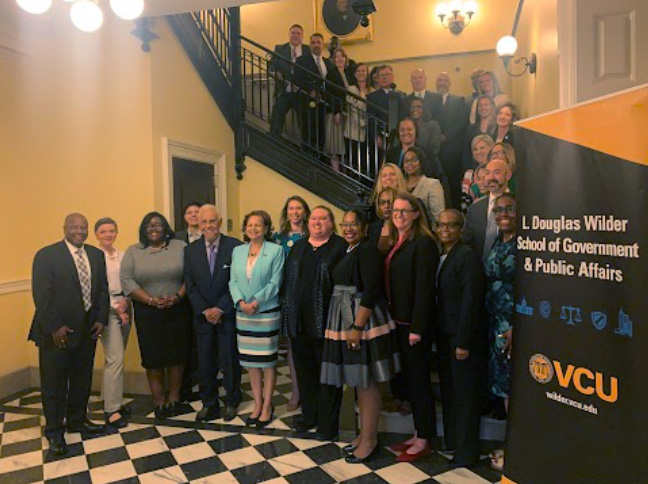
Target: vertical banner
x,y
579,402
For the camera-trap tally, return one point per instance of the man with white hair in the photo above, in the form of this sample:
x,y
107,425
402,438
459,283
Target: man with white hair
x,y
207,275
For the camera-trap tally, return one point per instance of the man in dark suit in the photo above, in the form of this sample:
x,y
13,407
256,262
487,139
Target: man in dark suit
x,y
207,274
310,79
192,232
382,122
453,118
481,230
432,101
285,92
461,339
70,292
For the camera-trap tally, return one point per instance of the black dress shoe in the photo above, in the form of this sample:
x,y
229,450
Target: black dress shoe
x,y
173,409
251,421
353,459
303,427
261,424
230,413
160,412
57,446
120,423
208,413
87,428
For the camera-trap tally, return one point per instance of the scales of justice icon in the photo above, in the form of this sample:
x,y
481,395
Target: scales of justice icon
x,y
571,315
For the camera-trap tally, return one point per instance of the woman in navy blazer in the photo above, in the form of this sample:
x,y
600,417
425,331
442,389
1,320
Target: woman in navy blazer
x,y
255,278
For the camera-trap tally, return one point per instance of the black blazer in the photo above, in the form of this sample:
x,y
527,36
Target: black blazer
x,y
453,120
431,105
336,96
57,294
310,82
474,234
460,296
412,283
204,290
283,66
382,99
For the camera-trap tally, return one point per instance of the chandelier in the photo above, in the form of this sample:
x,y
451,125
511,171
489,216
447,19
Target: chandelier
x,y
87,15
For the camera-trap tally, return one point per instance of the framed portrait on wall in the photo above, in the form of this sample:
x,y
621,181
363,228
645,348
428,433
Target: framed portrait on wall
x,y
336,17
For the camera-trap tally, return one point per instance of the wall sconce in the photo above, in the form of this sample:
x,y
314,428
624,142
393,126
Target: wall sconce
x,y
453,15
506,48
87,15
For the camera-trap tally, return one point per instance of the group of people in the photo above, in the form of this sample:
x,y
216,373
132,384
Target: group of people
x,y
354,117
359,309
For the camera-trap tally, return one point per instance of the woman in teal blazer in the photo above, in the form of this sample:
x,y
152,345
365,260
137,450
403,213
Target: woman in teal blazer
x,y
255,278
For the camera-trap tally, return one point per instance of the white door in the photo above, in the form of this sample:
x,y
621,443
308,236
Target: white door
x,y
603,47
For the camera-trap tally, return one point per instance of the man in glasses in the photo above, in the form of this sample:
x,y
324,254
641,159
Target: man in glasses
x,y
461,339
481,229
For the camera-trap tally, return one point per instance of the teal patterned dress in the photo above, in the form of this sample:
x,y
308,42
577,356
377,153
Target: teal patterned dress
x,y
286,240
500,276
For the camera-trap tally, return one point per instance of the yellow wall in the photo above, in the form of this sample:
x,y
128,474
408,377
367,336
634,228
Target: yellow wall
x,y
537,33
263,188
402,29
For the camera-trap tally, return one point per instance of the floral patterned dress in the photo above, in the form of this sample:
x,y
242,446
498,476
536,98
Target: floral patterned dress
x,y
500,275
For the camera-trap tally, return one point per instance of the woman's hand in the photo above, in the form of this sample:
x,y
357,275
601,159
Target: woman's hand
x,y
125,318
249,308
508,344
121,306
414,339
353,339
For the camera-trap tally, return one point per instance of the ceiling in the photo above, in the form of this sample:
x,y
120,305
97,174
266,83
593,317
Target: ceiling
x,y
169,7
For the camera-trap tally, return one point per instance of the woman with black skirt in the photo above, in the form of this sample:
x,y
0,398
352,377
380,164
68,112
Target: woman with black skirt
x,y
361,343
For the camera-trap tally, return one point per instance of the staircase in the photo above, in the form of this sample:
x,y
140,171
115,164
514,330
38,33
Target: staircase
x,y
242,76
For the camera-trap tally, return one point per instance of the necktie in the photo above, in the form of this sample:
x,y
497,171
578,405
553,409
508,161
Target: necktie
x,y
491,233
319,66
212,258
294,53
84,279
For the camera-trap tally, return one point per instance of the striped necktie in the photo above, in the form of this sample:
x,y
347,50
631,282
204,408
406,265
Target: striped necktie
x,y
84,279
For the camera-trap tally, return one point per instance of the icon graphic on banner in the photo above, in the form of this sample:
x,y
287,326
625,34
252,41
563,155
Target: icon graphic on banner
x,y
545,309
599,320
523,308
625,325
540,368
571,315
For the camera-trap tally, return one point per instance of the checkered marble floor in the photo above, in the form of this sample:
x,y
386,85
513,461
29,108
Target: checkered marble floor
x,y
181,451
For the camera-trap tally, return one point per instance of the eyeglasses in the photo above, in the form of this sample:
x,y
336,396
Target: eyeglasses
x,y
351,225
403,211
154,227
504,209
413,159
448,225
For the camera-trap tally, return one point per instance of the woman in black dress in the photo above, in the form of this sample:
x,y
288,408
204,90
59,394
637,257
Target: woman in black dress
x,y
360,346
410,270
307,290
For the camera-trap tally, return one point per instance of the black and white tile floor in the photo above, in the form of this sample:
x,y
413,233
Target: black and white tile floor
x,y
181,451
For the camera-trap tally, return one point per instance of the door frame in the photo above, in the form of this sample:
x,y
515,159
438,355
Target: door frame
x,y
567,49
177,149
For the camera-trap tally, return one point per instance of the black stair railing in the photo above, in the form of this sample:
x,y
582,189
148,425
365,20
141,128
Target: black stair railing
x,y
327,122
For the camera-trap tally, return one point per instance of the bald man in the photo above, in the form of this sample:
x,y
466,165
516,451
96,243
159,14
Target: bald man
x,y
431,100
480,230
70,291
207,274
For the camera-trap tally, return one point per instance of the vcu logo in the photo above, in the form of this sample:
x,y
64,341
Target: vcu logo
x,y
585,381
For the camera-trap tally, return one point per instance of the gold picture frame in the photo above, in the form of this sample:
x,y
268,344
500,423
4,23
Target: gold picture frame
x,y
329,21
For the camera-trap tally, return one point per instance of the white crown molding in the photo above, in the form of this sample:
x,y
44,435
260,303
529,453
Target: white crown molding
x,y
12,287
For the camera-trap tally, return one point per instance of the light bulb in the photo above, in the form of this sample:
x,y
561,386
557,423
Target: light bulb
x,y
35,6
470,7
442,9
127,9
506,46
456,6
86,15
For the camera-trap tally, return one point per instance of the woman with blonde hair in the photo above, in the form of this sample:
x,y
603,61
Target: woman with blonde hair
x,y
388,176
489,86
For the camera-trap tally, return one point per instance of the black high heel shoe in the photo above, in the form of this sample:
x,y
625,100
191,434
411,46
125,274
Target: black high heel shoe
x,y
251,421
263,423
349,449
353,459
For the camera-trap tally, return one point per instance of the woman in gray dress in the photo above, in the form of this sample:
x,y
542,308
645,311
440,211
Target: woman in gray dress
x,y
152,276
